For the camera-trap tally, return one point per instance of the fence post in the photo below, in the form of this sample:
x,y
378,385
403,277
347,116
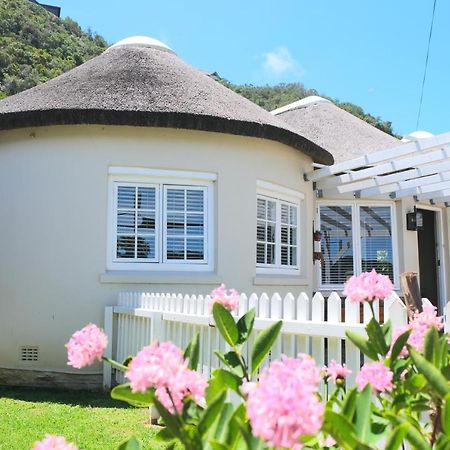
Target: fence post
x,y
156,326
108,329
395,311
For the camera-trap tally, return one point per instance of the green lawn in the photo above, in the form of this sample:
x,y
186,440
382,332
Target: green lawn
x,y
90,420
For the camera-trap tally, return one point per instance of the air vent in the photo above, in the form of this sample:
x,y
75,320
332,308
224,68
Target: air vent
x,y
29,354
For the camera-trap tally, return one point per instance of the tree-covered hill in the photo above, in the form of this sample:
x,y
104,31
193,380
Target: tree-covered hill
x,y
36,46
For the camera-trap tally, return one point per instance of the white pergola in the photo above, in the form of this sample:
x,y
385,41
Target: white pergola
x,y
419,169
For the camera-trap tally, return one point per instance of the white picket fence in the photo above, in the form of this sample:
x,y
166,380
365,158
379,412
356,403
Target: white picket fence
x,y
314,325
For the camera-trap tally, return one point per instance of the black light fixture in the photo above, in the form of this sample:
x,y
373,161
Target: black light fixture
x,y
414,220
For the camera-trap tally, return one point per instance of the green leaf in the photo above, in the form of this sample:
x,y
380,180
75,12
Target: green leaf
x,y
245,325
231,360
171,422
396,437
416,439
211,413
127,360
398,346
363,344
342,431
229,380
225,324
192,352
387,331
164,435
434,377
349,406
263,343
216,445
130,444
376,337
124,393
431,345
363,405
445,415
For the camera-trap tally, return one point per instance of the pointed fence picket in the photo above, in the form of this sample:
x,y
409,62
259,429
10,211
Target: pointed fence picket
x,y
314,325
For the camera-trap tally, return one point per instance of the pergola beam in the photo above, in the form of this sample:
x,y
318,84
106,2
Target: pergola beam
x,y
407,149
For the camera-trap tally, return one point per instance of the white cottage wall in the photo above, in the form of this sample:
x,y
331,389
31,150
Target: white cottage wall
x,y
54,185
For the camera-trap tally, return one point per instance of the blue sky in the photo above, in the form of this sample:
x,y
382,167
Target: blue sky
x,y
370,53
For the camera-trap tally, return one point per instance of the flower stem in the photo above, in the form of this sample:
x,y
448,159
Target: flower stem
x,y
115,364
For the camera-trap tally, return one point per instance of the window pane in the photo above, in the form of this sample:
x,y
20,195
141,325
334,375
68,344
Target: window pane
x,y
284,235
125,247
194,248
175,248
194,224
175,199
145,247
146,222
175,224
261,208
293,255
146,198
270,237
270,256
293,236
376,239
284,256
260,231
195,200
271,210
293,215
336,243
125,222
284,213
260,253
126,197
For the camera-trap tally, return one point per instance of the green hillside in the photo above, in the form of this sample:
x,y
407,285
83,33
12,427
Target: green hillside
x,y
36,46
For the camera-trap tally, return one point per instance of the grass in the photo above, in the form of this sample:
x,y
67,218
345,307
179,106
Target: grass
x,y
93,421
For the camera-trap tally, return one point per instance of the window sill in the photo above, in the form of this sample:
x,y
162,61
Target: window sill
x,y
279,280
136,277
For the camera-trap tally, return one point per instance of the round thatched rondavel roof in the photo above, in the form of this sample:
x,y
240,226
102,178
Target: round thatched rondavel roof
x,y
140,81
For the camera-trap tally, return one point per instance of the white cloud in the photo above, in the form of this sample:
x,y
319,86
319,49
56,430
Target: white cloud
x,y
281,62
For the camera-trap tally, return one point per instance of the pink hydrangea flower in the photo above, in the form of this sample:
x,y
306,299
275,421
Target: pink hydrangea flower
x,y
54,443
335,370
419,326
227,298
368,286
85,346
377,375
163,367
283,405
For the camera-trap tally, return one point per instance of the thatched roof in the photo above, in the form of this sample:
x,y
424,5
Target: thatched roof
x,y
146,84
342,134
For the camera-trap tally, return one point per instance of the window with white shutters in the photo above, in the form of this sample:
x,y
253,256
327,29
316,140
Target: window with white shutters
x,y
276,233
160,224
356,238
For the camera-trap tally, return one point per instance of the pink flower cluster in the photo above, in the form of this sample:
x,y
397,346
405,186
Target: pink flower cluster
x,y
283,405
335,370
53,443
85,346
368,286
162,366
419,327
377,375
227,298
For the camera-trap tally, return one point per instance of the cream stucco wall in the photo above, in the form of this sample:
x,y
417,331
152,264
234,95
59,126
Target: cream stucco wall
x,y
54,196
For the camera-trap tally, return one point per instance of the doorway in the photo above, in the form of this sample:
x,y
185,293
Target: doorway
x,y
428,256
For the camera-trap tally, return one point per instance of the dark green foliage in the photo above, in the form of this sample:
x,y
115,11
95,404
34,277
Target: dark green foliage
x,y
272,97
36,46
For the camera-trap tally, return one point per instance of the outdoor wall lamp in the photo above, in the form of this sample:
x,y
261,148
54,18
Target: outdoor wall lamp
x,y
414,220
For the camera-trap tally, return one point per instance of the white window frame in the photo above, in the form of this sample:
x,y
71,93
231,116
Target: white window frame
x,y
161,178
356,238
279,194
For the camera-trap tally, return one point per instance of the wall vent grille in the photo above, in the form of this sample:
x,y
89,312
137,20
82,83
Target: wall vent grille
x,y
29,354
